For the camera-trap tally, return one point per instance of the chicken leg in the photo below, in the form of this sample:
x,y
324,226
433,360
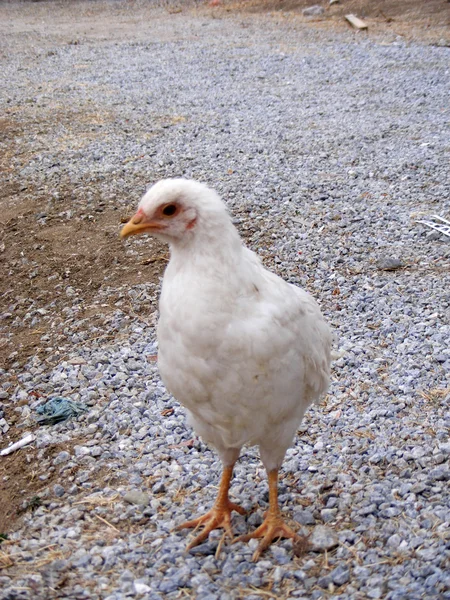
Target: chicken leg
x,y
220,514
273,527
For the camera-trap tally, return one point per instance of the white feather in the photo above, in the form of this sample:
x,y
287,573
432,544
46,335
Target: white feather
x,y
245,352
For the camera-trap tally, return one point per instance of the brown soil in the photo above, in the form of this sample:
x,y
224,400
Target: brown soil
x,y
21,486
42,258
44,250
39,261
417,20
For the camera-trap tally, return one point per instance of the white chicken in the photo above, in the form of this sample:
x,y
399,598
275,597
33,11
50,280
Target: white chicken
x,y
244,351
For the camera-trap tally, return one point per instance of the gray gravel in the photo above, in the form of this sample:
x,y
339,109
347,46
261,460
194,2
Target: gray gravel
x,y
326,148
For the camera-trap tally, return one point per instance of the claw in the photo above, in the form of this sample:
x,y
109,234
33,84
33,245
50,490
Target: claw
x,y
219,517
273,528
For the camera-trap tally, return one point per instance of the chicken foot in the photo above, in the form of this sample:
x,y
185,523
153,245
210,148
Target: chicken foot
x,y
219,517
273,527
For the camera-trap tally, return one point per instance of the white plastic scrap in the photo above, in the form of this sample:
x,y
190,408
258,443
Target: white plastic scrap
x,y
438,223
23,442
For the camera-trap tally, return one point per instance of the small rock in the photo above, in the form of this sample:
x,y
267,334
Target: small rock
x,y
205,549
388,263
83,561
427,554
81,451
58,490
439,474
61,457
376,458
418,452
323,538
340,575
76,360
326,485
280,554
416,541
59,565
324,581
159,488
418,488
97,561
93,416
445,448
300,575
141,588
375,593
432,236
394,541
304,517
313,11
126,575
328,514
167,586
73,534
255,519
440,358
368,510
137,497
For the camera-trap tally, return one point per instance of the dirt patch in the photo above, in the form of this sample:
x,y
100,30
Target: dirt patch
x,y
418,20
57,258
21,487
52,260
50,263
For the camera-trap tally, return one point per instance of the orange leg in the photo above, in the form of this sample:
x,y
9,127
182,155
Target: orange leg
x,y
220,514
273,527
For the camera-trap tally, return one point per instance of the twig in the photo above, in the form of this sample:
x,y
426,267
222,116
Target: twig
x,y
219,546
131,313
385,17
107,523
254,590
5,560
98,500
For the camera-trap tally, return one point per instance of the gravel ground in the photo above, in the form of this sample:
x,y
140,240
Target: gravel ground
x,y
326,147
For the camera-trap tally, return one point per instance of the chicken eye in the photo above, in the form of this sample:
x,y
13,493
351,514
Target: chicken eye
x,y
169,210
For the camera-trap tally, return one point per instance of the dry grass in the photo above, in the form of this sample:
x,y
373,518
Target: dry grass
x,y
8,560
435,396
99,500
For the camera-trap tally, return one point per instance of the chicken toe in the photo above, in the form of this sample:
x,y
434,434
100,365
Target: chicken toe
x,y
219,517
273,528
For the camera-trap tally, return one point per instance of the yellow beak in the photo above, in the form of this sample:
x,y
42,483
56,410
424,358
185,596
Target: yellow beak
x,y
138,224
